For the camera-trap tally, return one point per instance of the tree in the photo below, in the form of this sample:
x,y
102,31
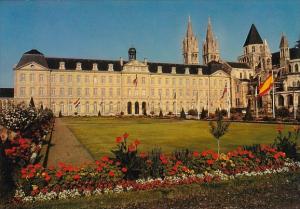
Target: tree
x,y
203,114
60,114
161,114
218,129
144,112
31,103
182,114
248,116
99,113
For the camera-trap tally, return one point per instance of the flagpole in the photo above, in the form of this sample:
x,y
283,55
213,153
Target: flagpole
x,y
273,105
256,106
228,98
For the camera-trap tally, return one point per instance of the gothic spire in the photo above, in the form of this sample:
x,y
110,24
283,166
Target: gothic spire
x,y
209,32
189,32
283,42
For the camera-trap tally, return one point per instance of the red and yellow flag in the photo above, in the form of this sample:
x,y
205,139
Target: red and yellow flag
x,y
265,87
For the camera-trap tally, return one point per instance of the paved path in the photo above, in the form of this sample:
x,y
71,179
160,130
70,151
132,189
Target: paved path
x,y
65,147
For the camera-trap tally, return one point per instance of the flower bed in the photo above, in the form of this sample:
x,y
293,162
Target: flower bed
x,y
133,170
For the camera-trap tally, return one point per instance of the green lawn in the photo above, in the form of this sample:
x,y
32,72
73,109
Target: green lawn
x,y
98,134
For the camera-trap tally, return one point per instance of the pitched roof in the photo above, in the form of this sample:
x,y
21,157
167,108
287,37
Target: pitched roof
x,y
6,93
32,56
239,65
253,37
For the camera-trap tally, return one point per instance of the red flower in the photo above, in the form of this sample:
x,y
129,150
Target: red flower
x,y
124,170
215,156
59,174
105,159
184,169
196,154
47,177
131,148
125,135
99,169
143,155
209,162
137,142
119,139
76,177
111,173
37,166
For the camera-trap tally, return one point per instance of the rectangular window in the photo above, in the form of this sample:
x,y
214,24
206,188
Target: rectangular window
x,y
110,79
152,80
87,79
152,92
79,92
110,92
103,92
22,91
174,81
61,78
159,93
144,92
87,92
187,82
32,91
70,91
31,77
129,92
167,93
78,78
103,78
41,91
22,77
53,78
159,80
128,80
52,91
69,78
41,77
118,92
180,81
143,80
95,92
118,79
62,91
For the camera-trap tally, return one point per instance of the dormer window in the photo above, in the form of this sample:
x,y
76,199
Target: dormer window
x,y
95,66
186,70
173,70
200,71
110,67
159,69
78,66
62,65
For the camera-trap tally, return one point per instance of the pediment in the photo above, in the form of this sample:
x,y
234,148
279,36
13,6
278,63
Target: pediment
x,y
220,73
32,66
135,66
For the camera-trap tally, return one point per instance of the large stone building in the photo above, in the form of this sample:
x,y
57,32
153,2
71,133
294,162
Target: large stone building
x,y
89,86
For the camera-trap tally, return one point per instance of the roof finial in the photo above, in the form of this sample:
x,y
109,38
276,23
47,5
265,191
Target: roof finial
x,y
209,22
189,31
189,18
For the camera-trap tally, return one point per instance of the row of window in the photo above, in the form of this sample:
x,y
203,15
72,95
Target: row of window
x,y
117,92
129,79
294,69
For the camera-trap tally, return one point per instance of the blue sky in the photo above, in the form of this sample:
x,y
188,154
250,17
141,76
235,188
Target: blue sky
x,y
106,29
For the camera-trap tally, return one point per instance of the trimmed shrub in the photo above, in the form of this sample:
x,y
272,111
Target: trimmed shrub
x,y
204,113
193,112
182,114
160,114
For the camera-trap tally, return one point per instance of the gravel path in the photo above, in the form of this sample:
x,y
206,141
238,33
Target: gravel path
x,y
65,147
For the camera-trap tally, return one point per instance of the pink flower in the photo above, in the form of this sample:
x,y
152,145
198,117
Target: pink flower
x,y
124,170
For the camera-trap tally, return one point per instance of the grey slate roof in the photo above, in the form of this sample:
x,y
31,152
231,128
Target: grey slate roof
x,y
253,37
32,56
6,92
294,54
238,65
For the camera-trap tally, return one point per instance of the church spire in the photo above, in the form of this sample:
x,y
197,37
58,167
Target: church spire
x,y
190,49
189,32
210,46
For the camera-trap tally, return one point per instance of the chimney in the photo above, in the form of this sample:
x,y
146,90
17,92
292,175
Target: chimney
x,y
121,61
159,69
62,65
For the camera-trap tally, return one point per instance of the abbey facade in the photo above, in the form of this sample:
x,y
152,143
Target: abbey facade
x,y
133,87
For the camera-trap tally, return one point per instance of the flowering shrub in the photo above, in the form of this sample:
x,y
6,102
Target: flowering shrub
x,y
153,169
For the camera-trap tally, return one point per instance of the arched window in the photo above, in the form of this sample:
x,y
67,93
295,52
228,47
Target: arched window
x,y
253,48
62,109
298,83
111,107
296,68
95,107
87,107
290,68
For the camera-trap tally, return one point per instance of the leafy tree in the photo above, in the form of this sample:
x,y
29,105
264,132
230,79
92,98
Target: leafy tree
x,y
218,129
99,113
60,114
282,112
144,112
182,114
31,103
248,116
204,113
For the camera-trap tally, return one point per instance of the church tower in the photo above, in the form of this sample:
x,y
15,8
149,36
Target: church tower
x,y
284,51
190,49
210,46
266,57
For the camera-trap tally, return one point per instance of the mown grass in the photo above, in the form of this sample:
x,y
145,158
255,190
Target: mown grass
x,y
98,134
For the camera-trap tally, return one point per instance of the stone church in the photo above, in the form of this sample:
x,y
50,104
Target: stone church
x,y
132,87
